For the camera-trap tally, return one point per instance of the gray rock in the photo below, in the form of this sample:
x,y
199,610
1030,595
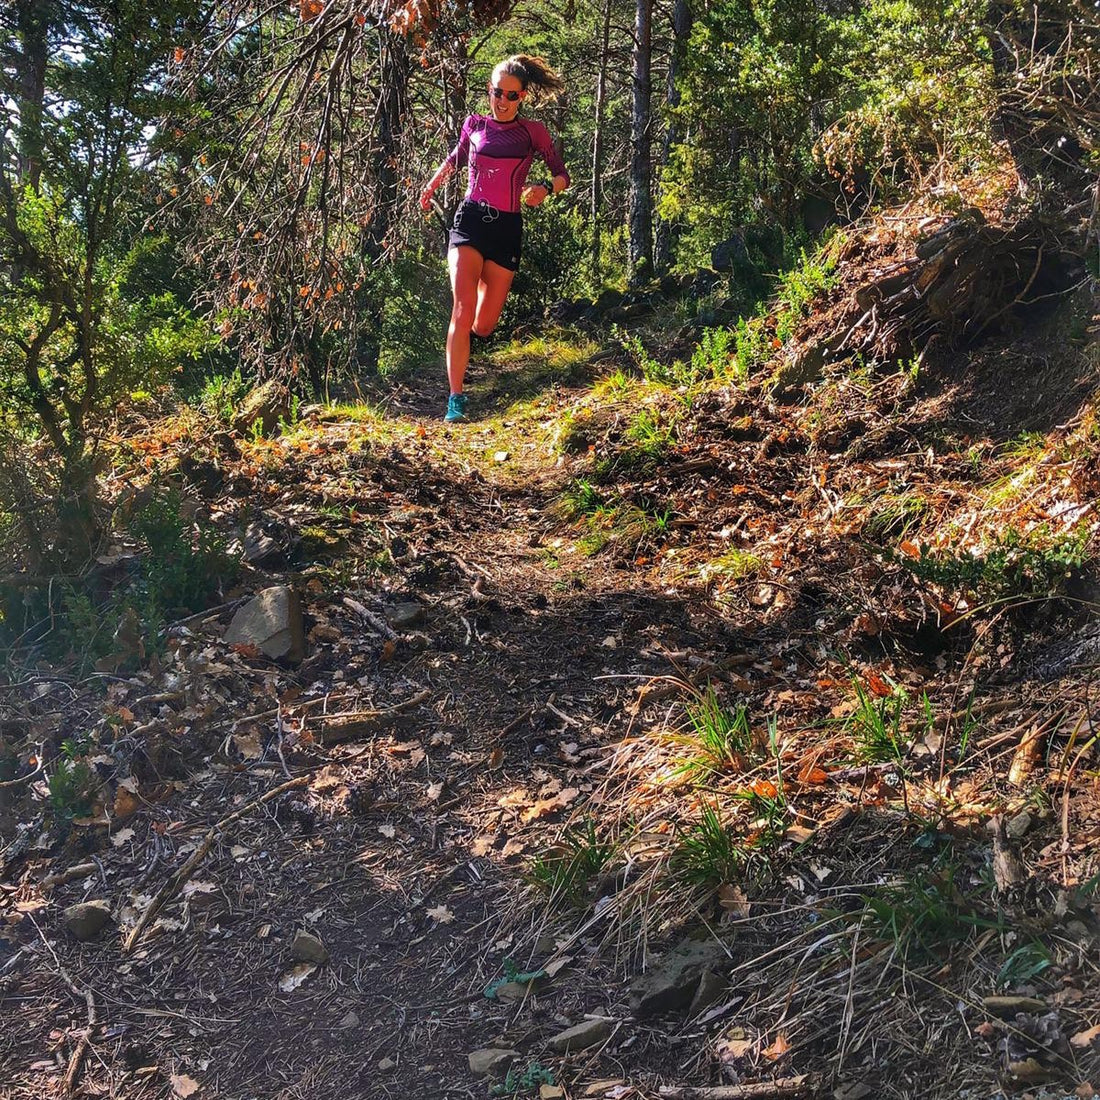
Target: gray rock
x,y
349,1019
403,615
803,364
673,981
307,948
268,403
588,1033
514,991
709,991
272,621
1017,826
85,919
491,1060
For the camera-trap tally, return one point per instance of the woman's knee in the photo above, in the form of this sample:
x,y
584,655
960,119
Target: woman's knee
x,y
483,329
462,317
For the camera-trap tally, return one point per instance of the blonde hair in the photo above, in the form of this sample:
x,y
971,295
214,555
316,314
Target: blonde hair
x,y
534,74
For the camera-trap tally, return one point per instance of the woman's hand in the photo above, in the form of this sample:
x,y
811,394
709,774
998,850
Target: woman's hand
x,y
535,194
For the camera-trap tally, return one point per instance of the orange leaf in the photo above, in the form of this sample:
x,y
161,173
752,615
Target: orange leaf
x,y
778,1048
764,788
909,549
496,757
811,773
877,685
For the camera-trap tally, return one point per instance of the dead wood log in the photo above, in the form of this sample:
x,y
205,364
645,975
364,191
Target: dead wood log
x,y
333,729
961,282
804,1084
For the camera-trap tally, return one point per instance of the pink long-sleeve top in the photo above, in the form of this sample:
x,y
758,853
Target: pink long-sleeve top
x,y
500,155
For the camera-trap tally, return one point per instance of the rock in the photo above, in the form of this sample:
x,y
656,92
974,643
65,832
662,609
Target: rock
x,y
514,991
401,616
804,363
551,1092
85,919
491,1060
730,253
351,1019
260,547
710,990
672,983
1017,826
272,621
307,948
1007,1007
588,1033
387,1064
267,403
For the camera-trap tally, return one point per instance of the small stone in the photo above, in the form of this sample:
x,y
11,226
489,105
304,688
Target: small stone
x,y
672,982
588,1033
259,547
491,1060
85,919
603,1086
351,1019
403,615
267,403
1007,1007
711,989
308,948
271,621
551,1092
1017,826
387,1064
514,991
501,456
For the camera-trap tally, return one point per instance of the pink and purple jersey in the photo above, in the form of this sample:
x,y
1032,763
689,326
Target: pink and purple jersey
x,y
499,155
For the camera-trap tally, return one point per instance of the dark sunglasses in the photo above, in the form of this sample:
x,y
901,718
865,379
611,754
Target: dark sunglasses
x,y
496,93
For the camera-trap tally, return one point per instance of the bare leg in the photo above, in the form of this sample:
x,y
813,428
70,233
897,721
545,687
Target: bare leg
x,y
466,265
492,290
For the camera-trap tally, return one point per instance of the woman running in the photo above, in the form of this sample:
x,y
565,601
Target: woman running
x,y
486,236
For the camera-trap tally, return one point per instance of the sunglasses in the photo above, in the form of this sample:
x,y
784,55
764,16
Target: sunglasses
x,y
498,93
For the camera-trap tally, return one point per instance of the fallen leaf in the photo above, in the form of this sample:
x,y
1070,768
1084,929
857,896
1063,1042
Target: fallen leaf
x,y
441,915
733,900
295,976
121,837
764,788
1085,1038
777,1049
811,773
549,805
183,1086
388,831
434,791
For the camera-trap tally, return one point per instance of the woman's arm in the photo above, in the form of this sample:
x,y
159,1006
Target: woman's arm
x,y
442,173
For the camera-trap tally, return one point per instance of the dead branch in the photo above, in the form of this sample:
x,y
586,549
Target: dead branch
x,y
177,881
803,1085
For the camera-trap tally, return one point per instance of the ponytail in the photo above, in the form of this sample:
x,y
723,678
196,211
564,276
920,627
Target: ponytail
x,y
534,74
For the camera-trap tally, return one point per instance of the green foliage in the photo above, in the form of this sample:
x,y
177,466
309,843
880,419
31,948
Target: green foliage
x,y
735,564
720,740
534,1075
181,566
563,874
708,852
814,274
414,320
1036,564
714,356
581,498
222,393
73,784
876,726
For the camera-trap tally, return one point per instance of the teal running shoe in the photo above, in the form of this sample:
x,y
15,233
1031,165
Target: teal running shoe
x,y
456,408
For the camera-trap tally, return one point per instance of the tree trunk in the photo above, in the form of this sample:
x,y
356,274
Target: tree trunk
x,y
597,146
32,20
641,168
681,29
391,115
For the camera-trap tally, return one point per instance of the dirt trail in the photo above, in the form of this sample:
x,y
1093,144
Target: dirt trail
x,y
405,853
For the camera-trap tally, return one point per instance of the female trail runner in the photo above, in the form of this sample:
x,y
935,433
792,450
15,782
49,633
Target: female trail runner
x,y
485,239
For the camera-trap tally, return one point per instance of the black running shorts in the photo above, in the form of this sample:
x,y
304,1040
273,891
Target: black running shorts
x,y
496,234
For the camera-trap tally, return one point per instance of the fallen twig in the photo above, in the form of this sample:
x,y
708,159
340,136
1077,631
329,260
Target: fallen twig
x,y
801,1085
176,882
352,724
76,1059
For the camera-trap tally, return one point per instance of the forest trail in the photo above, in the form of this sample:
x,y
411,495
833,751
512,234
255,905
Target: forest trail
x,y
498,733
405,854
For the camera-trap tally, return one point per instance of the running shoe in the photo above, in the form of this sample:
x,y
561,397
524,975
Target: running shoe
x,y
456,408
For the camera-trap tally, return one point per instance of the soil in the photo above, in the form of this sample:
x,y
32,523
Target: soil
x,y
542,692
